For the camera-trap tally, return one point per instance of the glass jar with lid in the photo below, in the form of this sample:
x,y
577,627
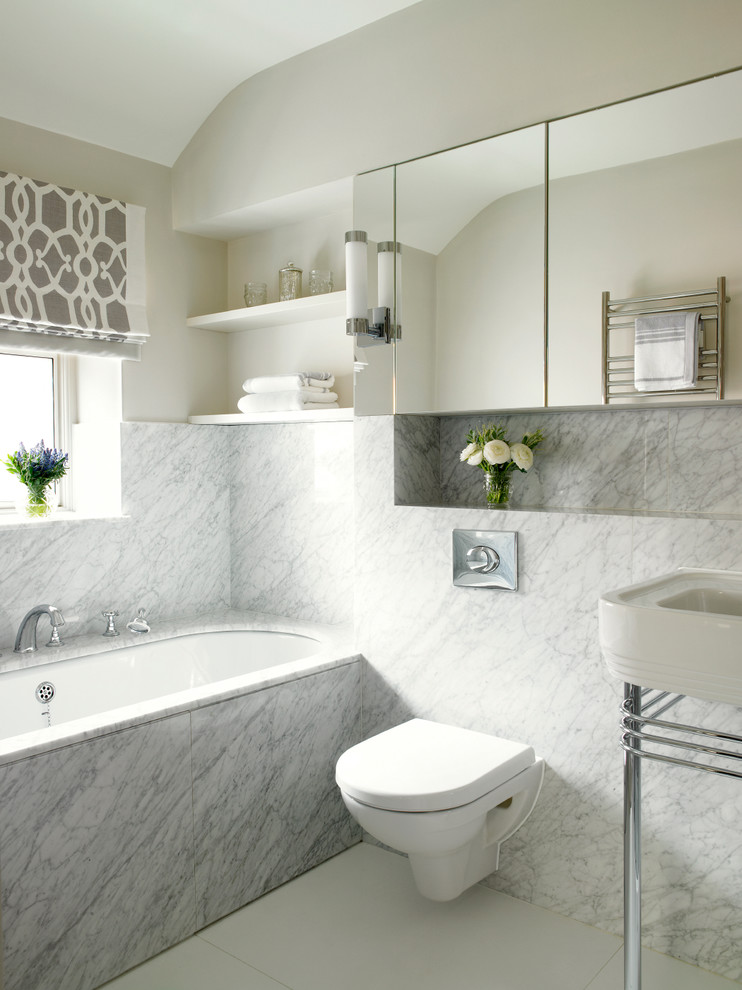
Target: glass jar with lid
x,y
289,282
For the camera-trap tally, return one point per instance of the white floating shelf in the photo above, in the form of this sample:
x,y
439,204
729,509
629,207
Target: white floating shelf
x,y
273,314
238,419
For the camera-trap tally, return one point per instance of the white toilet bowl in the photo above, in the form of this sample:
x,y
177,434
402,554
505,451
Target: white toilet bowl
x,y
445,796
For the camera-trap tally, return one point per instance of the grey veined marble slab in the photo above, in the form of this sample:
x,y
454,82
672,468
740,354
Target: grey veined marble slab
x,y
96,859
266,806
291,520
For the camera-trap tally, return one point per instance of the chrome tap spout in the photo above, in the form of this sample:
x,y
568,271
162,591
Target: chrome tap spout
x,y
25,641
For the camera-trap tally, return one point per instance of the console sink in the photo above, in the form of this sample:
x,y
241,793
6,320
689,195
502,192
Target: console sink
x,y
681,632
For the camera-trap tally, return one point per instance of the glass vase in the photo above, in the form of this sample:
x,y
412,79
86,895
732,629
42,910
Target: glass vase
x,y
497,489
37,503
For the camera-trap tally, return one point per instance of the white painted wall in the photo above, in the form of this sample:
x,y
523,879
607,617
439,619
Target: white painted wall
x,y
462,71
321,345
182,371
456,72
257,257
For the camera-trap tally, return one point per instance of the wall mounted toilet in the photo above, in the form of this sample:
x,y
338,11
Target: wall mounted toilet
x,y
445,796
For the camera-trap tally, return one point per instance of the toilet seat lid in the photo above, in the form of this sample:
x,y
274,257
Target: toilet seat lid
x,y
428,766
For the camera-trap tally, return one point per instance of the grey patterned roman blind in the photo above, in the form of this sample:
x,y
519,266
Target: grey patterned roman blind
x,y
71,270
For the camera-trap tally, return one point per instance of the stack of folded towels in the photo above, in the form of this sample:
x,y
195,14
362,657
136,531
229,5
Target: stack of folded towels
x,y
300,390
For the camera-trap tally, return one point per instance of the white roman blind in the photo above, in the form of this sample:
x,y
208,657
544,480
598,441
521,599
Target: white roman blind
x,y
72,272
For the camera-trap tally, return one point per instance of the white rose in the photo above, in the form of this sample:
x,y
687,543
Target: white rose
x,y
472,454
496,452
522,455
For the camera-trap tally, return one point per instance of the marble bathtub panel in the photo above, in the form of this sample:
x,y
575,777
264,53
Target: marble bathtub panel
x,y
292,520
596,460
266,806
417,460
96,857
705,458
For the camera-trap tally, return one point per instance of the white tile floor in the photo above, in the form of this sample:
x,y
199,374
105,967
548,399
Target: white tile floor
x,y
358,922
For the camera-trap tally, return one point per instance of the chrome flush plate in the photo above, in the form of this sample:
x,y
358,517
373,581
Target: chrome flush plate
x,y
483,559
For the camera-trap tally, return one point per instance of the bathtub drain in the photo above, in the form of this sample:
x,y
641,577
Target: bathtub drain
x,y
45,692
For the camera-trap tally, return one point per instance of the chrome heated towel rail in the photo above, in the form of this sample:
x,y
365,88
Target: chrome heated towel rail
x,y
619,316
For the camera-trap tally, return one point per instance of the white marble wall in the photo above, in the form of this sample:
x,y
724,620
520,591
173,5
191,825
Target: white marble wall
x,y
169,554
526,665
254,517
261,517
292,520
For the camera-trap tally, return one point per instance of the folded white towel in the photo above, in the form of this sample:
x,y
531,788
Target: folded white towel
x,y
666,351
280,383
288,401
308,394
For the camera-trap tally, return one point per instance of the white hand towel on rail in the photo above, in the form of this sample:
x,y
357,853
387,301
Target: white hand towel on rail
x,y
293,399
666,351
280,383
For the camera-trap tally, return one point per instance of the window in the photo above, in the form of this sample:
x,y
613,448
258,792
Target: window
x,y
30,410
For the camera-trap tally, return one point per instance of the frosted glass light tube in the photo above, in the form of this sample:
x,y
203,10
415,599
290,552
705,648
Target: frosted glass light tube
x,y
356,277
390,271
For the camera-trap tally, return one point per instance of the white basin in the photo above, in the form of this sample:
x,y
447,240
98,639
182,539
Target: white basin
x,y
681,632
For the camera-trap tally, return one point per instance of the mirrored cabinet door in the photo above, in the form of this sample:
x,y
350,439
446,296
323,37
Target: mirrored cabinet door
x,y
645,198
471,225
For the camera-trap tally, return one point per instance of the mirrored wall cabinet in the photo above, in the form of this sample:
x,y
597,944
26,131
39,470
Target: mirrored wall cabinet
x,y
509,243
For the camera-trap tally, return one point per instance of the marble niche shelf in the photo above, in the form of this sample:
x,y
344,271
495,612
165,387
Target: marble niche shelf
x,y
276,314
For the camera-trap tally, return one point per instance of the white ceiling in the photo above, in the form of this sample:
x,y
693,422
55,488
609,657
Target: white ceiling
x,y
140,76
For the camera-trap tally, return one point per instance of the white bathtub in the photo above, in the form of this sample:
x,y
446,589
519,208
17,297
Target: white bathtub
x,y
185,773
118,686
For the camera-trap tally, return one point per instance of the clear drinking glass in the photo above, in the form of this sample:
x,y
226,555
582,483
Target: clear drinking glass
x,y
256,294
320,282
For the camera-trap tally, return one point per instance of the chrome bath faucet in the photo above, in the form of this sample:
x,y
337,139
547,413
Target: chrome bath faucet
x,y
25,641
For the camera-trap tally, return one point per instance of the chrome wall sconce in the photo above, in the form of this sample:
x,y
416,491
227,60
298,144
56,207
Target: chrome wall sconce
x,y
374,323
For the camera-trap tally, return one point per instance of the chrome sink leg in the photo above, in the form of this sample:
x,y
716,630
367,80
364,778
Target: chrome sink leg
x,y
632,849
